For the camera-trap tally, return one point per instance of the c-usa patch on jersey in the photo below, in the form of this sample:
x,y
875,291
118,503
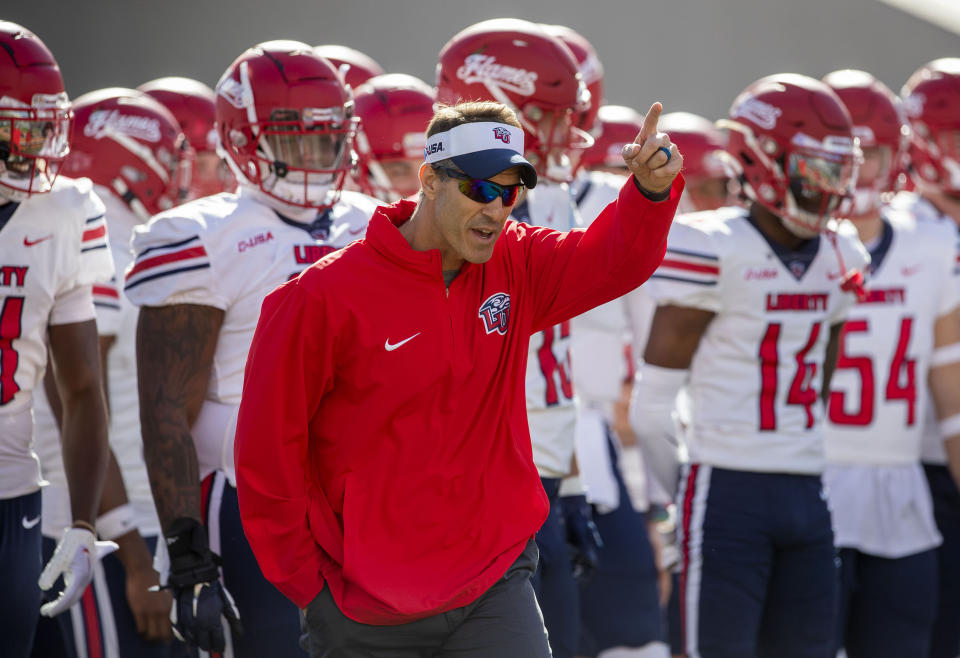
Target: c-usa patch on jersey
x,y
495,313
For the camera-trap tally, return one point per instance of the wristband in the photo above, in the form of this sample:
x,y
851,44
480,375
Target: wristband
x,y
571,486
950,426
945,355
117,522
86,526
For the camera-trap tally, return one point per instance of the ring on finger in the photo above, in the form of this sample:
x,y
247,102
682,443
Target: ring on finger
x,y
666,152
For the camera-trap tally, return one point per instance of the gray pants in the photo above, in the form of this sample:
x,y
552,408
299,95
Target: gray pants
x,y
504,622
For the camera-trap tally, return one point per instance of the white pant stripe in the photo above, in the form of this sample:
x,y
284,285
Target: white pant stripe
x,y
695,503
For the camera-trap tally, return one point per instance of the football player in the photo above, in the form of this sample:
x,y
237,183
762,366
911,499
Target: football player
x,y
882,510
133,150
394,111
931,98
536,75
192,104
53,248
619,604
750,306
200,271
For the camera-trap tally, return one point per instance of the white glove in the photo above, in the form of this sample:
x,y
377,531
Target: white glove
x,y
74,559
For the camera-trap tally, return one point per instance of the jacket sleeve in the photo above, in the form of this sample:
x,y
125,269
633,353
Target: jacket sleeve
x,y
576,271
288,370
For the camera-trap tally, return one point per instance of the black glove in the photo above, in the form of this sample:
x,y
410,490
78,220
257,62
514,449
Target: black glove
x,y
583,538
199,598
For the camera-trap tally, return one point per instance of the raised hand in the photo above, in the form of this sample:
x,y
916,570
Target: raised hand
x,y
648,157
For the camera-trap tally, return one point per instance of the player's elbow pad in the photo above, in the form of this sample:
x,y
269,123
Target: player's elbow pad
x,y
653,418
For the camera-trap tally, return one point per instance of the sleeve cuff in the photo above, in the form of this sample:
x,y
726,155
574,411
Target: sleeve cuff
x,y
653,196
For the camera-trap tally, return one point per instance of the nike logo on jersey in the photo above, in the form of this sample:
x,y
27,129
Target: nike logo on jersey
x,y
390,347
910,271
833,276
30,523
358,231
29,243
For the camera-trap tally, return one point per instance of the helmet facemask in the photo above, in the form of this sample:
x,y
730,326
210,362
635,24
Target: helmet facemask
x,y
34,140
820,175
302,156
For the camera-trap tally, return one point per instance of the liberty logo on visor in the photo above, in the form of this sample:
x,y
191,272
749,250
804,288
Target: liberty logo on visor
x,y
495,313
502,134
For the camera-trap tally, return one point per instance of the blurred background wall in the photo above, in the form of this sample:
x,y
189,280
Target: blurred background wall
x,y
693,55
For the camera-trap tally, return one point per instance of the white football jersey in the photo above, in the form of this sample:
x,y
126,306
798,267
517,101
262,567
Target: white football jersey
x,y
599,336
549,385
879,393
53,248
598,354
756,376
931,445
116,317
228,251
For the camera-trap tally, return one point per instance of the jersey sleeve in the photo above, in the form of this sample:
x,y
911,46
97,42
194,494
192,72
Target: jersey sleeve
x,y
690,272
96,261
72,305
106,303
172,265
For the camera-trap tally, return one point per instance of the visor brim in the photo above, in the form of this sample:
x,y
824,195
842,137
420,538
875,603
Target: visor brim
x,y
489,163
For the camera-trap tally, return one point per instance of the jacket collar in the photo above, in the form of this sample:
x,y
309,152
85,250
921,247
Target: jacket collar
x,y
383,235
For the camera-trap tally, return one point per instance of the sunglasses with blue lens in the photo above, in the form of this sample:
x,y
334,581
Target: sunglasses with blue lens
x,y
481,190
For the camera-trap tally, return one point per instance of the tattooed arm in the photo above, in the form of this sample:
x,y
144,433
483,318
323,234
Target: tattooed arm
x,y
175,347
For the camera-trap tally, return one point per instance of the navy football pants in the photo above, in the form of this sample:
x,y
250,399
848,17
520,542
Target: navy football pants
x,y
19,571
759,567
945,641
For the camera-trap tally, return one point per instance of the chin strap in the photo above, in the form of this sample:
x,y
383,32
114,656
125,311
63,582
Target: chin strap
x,y
852,280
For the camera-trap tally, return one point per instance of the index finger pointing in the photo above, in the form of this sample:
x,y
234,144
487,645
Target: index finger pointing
x,y
650,122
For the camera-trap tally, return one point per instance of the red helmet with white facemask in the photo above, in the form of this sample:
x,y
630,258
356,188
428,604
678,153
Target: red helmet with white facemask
x,y
615,127
354,66
707,167
193,104
394,110
931,99
881,126
34,114
794,141
129,143
591,69
517,63
285,123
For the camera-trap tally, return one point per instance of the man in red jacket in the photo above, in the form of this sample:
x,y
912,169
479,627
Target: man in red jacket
x,y
384,468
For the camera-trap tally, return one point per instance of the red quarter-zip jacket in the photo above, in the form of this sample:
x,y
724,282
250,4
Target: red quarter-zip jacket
x,y
382,443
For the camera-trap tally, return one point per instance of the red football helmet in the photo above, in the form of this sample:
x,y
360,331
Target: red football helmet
x,y
285,123
615,127
193,104
355,67
931,99
34,114
394,111
794,142
591,69
131,144
881,126
517,63
707,167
